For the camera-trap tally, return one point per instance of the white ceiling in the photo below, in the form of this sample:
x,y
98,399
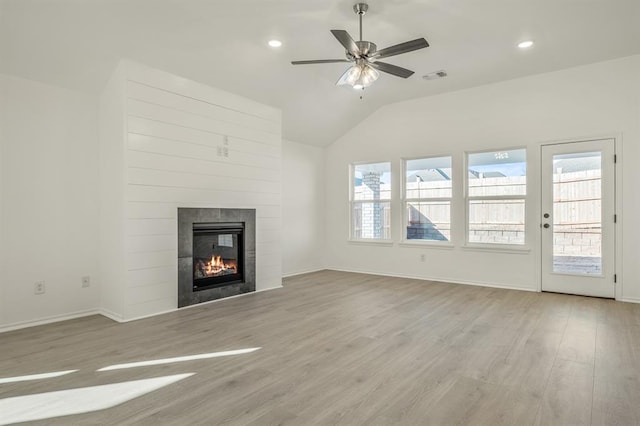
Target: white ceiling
x,y
76,43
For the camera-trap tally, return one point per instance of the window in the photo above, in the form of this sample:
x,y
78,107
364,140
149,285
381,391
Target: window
x,y
496,194
371,201
427,199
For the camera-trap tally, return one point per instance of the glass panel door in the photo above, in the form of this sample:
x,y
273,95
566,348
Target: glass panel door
x,y
577,218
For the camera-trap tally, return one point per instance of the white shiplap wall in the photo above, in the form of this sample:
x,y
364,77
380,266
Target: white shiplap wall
x,y
175,134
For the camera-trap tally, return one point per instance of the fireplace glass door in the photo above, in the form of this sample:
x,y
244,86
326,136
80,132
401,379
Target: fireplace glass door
x,y
218,250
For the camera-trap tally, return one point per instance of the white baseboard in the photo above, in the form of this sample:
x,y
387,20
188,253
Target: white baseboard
x,y
307,271
191,306
155,314
437,279
630,299
48,320
110,314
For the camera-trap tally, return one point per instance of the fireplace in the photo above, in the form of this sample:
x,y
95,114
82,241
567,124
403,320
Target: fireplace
x,y
218,254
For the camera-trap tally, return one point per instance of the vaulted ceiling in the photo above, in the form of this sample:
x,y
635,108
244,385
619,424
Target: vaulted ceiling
x,y
223,43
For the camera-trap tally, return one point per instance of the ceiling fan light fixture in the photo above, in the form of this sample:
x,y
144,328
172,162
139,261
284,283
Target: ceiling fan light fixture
x,y
367,76
350,76
359,76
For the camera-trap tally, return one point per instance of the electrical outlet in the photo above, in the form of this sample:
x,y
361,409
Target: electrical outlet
x,y
38,287
423,258
86,281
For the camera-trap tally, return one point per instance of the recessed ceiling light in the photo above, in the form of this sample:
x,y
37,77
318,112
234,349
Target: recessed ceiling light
x,y
435,75
525,44
275,43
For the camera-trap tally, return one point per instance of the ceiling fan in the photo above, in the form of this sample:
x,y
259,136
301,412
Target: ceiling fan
x,y
364,55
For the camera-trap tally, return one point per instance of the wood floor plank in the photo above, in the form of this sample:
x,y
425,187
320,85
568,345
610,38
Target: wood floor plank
x,y
615,400
568,396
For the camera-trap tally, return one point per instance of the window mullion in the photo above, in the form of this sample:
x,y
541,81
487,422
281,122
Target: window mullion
x,y
496,197
435,199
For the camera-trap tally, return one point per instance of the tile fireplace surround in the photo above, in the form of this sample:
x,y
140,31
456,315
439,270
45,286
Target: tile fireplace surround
x,y
186,218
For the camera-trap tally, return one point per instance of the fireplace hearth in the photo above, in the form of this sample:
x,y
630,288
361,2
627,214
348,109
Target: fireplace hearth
x,y
216,253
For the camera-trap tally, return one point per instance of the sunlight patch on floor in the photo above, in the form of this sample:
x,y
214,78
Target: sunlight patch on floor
x,y
35,376
178,359
80,400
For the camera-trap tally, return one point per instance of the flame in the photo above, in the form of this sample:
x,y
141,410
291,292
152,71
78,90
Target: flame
x,y
216,266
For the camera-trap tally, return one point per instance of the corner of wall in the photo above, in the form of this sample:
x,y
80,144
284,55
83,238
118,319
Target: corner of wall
x,y
2,248
303,205
111,188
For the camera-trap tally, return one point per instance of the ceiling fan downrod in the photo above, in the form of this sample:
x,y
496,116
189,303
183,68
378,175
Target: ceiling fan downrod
x,y
360,9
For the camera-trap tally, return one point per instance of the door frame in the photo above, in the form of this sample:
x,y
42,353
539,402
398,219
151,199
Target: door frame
x,y
617,200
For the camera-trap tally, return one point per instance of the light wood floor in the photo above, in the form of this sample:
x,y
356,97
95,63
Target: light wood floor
x,y
342,348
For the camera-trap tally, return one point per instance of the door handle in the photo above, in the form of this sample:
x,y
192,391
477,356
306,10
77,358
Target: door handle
x,y
546,225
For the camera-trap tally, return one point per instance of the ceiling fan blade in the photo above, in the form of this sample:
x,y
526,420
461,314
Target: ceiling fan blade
x,y
392,69
408,46
345,39
319,61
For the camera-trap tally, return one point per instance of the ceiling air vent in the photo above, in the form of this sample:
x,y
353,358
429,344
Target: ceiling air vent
x,y
435,75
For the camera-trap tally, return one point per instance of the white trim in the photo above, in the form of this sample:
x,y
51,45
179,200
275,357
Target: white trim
x,y
496,197
307,271
427,244
498,248
111,315
440,280
592,138
48,320
629,299
372,242
618,227
168,311
199,304
427,200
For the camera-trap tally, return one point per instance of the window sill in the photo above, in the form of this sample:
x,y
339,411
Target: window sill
x,y
426,244
498,248
386,243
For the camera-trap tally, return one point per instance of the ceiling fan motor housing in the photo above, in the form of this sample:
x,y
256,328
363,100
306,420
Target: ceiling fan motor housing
x,y
365,47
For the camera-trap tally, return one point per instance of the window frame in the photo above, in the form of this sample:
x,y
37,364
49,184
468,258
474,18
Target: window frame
x,y
353,202
404,201
505,247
